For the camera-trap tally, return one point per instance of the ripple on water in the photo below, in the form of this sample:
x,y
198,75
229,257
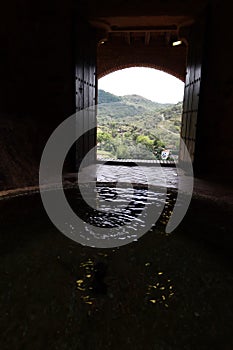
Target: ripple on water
x,y
124,207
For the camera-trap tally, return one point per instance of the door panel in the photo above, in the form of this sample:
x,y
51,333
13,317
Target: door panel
x,y
85,88
192,90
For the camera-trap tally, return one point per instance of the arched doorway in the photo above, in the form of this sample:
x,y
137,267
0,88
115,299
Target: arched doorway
x,y
155,50
139,116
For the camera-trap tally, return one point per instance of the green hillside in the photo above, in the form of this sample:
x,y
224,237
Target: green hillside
x,y
106,97
132,126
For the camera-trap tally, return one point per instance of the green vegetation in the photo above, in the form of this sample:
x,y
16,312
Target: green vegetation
x,y
132,127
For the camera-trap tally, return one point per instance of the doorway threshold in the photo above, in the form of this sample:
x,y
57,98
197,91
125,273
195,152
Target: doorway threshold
x,y
135,162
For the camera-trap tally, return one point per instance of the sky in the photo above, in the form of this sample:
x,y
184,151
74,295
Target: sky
x,y
150,83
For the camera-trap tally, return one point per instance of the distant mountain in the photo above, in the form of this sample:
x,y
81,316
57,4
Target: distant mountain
x,y
143,102
124,120
106,97
131,105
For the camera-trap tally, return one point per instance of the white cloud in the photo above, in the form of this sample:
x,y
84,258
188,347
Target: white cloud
x,y
150,83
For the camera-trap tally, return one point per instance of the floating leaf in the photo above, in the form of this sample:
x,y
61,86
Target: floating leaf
x,y
153,301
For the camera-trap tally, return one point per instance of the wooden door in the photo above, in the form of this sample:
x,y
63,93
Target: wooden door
x,y
191,110
86,88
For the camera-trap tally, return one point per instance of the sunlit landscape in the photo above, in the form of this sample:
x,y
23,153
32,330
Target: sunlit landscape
x,y
135,127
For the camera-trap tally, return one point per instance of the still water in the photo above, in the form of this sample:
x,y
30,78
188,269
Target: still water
x,y
159,292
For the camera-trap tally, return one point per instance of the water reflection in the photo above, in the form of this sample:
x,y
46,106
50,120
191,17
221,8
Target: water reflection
x,y
91,284
116,206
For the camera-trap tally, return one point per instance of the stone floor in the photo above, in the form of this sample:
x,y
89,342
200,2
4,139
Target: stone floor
x,y
153,175
157,176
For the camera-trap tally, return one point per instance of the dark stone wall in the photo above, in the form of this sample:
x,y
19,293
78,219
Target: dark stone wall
x,y
104,8
214,151
18,165
36,84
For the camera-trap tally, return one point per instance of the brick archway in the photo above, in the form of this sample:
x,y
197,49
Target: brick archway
x,y
145,65
113,56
